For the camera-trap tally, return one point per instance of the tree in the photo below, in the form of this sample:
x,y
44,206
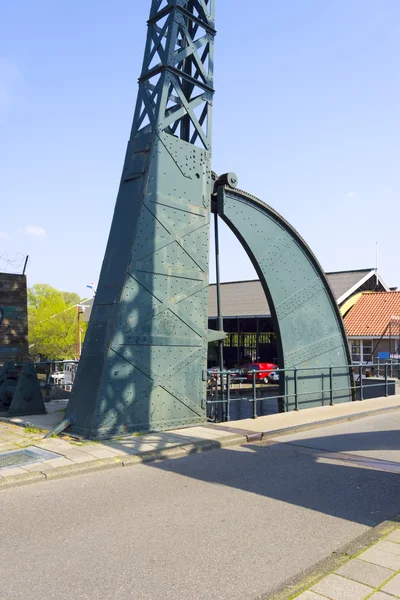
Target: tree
x,y
52,322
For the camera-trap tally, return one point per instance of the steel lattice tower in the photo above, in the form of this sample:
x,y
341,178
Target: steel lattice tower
x,y
145,351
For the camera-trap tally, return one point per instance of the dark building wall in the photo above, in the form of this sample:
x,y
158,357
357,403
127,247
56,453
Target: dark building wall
x,y
13,318
248,339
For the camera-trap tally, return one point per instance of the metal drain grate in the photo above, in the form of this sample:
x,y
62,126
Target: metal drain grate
x,y
16,458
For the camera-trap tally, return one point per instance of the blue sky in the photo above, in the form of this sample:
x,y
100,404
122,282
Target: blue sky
x,y
306,113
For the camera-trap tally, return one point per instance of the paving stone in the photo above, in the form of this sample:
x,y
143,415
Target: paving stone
x,y
88,447
74,454
103,453
36,467
379,556
8,472
136,447
118,451
394,536
364,572
335,587
82,459
390,546
308,595
393,586
59,462
380,596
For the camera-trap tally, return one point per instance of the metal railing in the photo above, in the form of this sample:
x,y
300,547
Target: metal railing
x,y
220,395
48,368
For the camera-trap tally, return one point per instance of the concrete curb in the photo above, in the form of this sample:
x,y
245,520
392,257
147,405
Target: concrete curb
x,y
253,436
238,437
304,580
100,464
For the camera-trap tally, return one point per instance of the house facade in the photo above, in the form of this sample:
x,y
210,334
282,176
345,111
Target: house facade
x,y
373,327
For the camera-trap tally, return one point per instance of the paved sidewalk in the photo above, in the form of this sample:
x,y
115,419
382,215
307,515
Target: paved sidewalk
x,y
72,456
374,574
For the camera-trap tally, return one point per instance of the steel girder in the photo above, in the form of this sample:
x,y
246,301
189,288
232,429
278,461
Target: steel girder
x,y
144,357
307,321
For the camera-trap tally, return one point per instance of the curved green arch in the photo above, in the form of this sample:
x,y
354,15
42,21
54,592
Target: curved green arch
x,y
308,324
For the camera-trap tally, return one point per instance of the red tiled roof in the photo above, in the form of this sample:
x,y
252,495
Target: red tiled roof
x,y
371,314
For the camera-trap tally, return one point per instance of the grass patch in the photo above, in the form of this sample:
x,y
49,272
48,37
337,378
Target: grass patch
x,y
30,429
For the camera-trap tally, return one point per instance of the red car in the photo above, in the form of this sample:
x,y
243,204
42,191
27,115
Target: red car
x,y
262,371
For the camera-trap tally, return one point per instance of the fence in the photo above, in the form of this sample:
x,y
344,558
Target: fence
x,y
225,389
228,388
51,375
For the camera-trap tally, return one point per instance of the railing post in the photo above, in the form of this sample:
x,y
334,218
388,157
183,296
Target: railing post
x,y
48,388
254,396
228,399
361,385
386,381
296,402
330,387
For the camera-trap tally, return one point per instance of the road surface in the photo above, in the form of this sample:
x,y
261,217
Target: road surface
x,y
228,524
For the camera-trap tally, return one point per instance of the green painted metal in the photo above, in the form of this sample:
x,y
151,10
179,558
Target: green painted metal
x,y
144,357
310,331
27,398
8,383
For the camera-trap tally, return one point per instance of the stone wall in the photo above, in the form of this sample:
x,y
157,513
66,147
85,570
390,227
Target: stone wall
x,y
13,318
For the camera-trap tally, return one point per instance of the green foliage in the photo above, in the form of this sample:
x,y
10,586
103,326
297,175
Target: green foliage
x,y
29,429
52,320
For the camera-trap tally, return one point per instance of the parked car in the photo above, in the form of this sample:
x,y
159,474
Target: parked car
x,y
262,371
273,377
237,375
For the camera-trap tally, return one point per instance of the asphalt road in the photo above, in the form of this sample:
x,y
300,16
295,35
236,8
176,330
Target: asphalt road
x,y
227,524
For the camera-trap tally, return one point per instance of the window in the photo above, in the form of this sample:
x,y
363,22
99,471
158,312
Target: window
x,y
367,348
361,351
356,350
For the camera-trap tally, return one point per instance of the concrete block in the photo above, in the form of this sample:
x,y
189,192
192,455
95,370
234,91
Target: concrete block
x,y
201,446
232,440
394,536
86,467
364,572
308,595
10,471
103,453
15,480
335,587
380,556
132,459
393,586
59,462
390,546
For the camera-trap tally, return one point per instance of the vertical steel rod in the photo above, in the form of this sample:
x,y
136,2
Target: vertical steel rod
x,y
361,385
330,387
219,310
386,381
254,396
228,399
296,400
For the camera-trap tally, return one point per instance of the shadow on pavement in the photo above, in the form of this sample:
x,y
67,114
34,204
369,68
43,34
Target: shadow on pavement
x,y
284,472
